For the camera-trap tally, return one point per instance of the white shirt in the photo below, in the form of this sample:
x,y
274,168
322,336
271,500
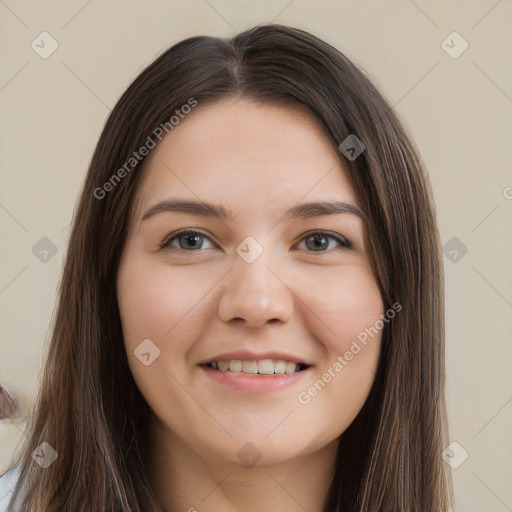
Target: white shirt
x,y
7,482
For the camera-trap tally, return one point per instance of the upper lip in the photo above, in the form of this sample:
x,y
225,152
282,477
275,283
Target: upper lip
x,y
246,355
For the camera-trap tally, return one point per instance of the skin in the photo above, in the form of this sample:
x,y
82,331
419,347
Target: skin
x,y
256,160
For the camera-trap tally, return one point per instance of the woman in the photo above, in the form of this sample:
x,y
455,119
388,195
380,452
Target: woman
x,y
255,372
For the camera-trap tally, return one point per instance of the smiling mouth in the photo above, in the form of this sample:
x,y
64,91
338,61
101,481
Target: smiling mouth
x,y
259,367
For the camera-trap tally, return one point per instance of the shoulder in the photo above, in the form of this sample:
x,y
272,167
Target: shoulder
x,y
7,482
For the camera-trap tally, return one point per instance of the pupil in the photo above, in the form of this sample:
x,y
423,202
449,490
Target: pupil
x,y
193,239
318,240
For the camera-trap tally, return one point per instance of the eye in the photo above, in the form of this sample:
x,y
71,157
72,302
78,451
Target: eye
x,y
320,239
190,239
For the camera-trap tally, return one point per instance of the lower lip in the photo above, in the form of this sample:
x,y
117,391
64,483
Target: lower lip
x,y
255,383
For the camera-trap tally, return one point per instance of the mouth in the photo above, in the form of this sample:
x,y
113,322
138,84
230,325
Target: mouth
x,y
255,373
262,367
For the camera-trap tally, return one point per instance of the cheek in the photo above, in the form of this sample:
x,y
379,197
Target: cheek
x,y
348,306
153,301
159,304
343,305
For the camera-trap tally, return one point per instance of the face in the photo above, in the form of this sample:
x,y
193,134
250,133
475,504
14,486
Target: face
x,y
207,300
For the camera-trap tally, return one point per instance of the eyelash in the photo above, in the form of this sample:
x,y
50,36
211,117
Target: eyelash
x,y
344,243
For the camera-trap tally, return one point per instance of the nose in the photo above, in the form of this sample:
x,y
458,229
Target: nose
x,y
255,294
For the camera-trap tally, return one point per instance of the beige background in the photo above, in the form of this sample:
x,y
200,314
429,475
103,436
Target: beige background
x,y
459,111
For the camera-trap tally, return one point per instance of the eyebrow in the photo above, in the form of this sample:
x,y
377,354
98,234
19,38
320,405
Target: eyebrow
x,y
205,209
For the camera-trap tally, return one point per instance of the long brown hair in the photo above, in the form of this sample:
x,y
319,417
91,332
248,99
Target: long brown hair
x,y
89,408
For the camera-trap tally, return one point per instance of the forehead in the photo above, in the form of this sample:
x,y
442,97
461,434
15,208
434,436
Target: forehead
x,y
252,157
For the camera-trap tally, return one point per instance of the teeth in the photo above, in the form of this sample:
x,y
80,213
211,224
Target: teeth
x,y
266,366
279,366
223,366
290,367
235,365
262,367
249,366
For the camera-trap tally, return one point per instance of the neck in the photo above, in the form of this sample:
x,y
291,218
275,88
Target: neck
x,y
184,480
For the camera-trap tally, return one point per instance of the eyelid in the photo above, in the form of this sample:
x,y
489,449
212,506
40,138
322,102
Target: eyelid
x,y
343,241
165,244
